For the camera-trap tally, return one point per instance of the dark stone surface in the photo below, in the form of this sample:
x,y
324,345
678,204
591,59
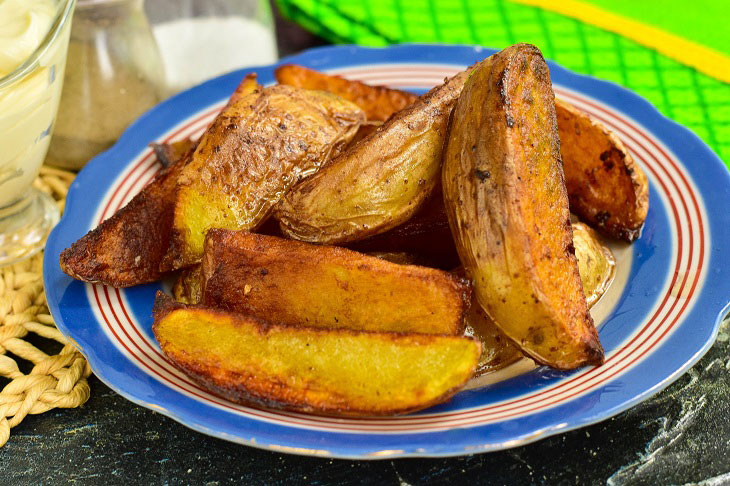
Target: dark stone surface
x,y
681,436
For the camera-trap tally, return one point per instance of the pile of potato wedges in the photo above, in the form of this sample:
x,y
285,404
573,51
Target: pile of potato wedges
x,y
347,249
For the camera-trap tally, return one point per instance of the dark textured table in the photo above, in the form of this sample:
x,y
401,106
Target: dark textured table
x,y
681,436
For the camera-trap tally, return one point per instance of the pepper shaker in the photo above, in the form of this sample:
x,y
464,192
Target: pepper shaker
x,y
114,74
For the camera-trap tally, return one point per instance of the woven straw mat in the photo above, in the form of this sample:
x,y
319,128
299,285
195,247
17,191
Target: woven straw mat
x,y
32,380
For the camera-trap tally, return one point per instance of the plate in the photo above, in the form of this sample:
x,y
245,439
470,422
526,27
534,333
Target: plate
x,y
660,319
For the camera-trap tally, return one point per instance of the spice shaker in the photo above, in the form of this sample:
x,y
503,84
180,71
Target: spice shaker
x,y
201,39
114,74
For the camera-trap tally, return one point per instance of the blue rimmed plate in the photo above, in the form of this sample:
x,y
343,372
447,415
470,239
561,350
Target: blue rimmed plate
x,y
661,314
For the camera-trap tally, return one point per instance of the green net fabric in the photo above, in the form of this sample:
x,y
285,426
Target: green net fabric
x,y
684,94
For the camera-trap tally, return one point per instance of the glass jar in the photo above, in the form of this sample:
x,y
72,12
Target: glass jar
x,y
114,75
29,97
201,39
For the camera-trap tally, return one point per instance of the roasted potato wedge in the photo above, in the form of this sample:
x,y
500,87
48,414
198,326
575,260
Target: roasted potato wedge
x,y
255,150
507,205
169,153
295,283
378,102
380,182
607,189
188,289
188,286
127,249
324,371
596,266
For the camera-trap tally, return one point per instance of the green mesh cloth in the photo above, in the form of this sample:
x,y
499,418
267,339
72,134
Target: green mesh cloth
x,y
693,99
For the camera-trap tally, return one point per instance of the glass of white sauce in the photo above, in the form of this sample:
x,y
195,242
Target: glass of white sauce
x,y
33,44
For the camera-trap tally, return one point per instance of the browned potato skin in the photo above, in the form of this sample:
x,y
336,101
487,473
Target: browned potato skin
x,y
508,209
321,371
607,189
128,248
291,282
255,150
596,266
380,182
169,153
378,102
187,289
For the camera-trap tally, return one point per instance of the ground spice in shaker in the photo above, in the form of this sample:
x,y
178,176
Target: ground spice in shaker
x,y
113,75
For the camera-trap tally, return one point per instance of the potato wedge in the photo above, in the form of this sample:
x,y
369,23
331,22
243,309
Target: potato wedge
x,y
187,289
380,182
255,150
508,209
596,266
291,282
607,189
324,371
128,248
378,102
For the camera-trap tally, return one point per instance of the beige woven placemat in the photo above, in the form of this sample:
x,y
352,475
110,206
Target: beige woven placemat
x,y
51,380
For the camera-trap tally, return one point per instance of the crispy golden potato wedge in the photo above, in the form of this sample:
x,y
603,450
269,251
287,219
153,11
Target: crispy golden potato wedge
x,y
607,189
255,150
169,153
324,371
291,282
127,249
380,182
188,289
378,102
188,286
596,266
508,209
